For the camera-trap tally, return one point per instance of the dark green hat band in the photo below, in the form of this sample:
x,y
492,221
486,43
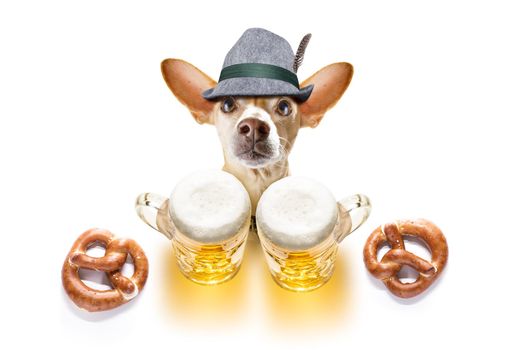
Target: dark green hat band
x,y
259,70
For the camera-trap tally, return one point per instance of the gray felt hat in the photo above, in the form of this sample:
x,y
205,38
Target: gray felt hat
x,y
261,63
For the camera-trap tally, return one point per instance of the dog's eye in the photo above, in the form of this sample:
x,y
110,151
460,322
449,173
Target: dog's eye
x,y
284,108
228,105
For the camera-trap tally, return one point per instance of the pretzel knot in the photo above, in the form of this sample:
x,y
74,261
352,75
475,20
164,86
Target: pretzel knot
x,y
391,263
116,253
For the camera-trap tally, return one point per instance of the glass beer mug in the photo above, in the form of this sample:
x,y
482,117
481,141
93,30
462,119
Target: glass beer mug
x,y
300,224
207,219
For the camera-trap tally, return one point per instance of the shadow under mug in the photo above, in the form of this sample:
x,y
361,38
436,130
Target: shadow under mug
x,y
309,269
203,263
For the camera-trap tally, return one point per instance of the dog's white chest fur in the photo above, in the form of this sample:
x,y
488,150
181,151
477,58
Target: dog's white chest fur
x,y
256,181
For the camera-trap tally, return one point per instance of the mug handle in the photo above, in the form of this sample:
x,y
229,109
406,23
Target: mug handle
x,y
353,212
153,210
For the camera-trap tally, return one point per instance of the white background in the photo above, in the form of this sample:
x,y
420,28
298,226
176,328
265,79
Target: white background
x,y
425,130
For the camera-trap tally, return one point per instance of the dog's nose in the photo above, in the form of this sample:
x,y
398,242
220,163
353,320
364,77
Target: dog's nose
x,y
254,127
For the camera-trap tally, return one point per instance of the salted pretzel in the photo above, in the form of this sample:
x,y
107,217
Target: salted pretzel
x,y
391,263
116,252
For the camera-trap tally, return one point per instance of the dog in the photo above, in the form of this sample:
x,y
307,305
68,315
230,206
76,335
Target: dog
x,y
257,132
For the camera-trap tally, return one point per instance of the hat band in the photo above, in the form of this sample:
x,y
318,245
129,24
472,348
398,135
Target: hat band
x,y
259,70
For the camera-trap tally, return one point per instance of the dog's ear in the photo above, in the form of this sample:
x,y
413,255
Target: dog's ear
x,y
187,83
330,83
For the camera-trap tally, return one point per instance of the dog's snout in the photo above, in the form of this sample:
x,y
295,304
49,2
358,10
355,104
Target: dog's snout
x,y
254,127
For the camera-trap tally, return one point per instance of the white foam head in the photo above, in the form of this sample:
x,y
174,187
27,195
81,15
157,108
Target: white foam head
x,y
209,206
296,213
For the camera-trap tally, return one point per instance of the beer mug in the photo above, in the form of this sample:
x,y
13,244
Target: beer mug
x,y
300,224
207,219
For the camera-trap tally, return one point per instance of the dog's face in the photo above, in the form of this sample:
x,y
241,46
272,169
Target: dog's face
x,y
256,131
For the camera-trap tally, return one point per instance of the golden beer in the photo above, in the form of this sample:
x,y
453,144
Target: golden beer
x,y
207,219
210,263
301,271
300,225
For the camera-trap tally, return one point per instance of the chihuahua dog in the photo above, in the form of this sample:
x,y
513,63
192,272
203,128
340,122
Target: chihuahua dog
x,y
256,132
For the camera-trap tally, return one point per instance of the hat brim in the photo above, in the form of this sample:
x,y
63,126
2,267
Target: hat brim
x,y
257,87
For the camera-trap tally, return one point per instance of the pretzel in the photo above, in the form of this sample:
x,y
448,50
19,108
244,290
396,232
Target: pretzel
x,y
116,251
387,269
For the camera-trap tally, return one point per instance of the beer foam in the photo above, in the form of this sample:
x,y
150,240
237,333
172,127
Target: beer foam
x,y
296,213
209,206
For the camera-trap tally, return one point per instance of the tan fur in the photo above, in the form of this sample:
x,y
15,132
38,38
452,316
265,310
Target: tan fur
x,y
187,83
